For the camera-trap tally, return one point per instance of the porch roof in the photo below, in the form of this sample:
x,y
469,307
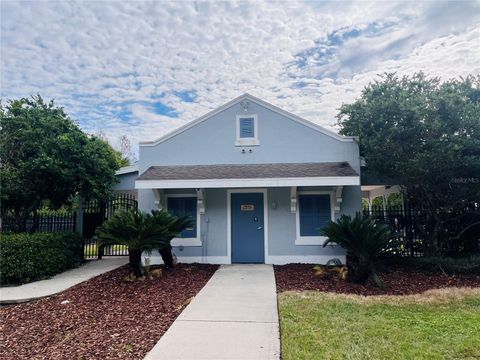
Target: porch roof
x,y
248,175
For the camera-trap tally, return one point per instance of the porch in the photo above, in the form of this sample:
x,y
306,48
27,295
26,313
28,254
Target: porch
x,y
261,213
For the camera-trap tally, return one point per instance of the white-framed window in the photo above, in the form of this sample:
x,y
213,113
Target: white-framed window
x,y
247,130
314,210
181,205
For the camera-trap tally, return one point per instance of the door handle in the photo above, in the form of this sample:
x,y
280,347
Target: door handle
x,y
260,228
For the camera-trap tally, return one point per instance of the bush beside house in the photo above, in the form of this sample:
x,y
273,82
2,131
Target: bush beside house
x,y
29,257
365,241
142,232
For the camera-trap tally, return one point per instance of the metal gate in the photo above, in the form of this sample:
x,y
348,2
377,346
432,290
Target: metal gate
x,y
95,212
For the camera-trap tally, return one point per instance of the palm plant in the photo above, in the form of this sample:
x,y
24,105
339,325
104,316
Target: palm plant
x,y
141,231
365,240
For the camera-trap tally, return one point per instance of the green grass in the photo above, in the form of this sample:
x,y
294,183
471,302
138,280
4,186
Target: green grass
x,y
325,326
91,250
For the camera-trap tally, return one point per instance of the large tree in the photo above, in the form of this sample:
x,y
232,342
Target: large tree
x,y
45,156
425,135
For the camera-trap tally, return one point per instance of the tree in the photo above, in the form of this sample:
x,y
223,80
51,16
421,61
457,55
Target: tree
x,y
126,149
365,240
124,155
141,231
425,135
44,156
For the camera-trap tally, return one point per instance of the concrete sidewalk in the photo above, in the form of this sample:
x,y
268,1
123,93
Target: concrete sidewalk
x,y
60,282
233,317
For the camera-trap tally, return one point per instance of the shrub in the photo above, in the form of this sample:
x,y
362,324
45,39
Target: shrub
x,y
29,257
448,265
141,231
365,240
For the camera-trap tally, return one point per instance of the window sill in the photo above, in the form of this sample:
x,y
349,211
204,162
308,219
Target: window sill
x,y
310,240
247,142
186,242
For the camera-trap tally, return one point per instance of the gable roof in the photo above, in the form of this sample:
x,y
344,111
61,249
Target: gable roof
x,y
260,102
248,171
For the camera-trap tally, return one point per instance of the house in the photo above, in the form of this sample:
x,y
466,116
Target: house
x,y
258,181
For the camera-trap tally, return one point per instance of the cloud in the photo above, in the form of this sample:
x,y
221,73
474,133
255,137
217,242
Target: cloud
x,y
145,68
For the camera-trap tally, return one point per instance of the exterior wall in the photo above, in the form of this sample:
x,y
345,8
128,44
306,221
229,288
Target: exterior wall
x,y
281,228
213,228
281,140
125,181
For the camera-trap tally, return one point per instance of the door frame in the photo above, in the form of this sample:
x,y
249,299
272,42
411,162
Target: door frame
x,y
229,219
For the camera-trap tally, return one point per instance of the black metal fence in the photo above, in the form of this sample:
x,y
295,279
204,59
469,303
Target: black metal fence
x,y
45,221
95,212
407,223
403,223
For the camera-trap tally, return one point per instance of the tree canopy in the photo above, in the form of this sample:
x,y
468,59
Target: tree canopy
x,y
45,156
422,133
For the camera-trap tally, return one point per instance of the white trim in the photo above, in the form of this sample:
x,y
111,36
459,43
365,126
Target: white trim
x,y
272,259
252,141
259,102
157,259
229,219
196,241
127,170
186,242
313,240
254,183
302,259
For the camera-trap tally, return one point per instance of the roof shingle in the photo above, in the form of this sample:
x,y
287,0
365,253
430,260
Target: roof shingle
x,y
247,171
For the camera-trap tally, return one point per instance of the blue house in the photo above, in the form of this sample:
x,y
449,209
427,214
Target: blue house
x,y
258,181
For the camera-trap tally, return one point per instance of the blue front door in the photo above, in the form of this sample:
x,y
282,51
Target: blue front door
x,y
247,228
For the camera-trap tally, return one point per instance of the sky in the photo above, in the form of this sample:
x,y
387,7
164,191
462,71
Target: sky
x,y
142,69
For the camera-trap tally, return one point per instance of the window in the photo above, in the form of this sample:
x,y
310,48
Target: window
x,y
182,206
247,130
314,212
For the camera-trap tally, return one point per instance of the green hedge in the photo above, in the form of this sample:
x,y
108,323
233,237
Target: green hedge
x,y
449,265
29,257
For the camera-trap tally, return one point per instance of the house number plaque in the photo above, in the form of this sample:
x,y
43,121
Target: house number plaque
x,y
247,207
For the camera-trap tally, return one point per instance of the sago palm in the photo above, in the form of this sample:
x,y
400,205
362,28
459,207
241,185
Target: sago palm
x,y
365,240
141,231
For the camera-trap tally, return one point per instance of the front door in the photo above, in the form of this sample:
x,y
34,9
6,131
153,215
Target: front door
x,y
247,228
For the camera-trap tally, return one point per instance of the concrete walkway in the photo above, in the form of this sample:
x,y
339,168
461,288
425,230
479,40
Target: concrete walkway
x,y
60,282
233,317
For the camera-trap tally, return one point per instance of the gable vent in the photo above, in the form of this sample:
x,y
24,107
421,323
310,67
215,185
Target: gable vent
x,y
247,129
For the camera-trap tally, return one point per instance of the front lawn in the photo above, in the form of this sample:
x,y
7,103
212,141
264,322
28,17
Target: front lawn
x,y
440,324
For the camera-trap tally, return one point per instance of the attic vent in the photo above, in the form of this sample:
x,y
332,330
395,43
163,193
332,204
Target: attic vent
x,y
247,130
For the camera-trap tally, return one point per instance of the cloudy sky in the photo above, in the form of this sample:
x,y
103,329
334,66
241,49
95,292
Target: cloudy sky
x,y
144,68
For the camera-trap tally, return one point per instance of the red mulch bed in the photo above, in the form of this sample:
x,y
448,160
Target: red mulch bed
x,y
301,277
106,318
